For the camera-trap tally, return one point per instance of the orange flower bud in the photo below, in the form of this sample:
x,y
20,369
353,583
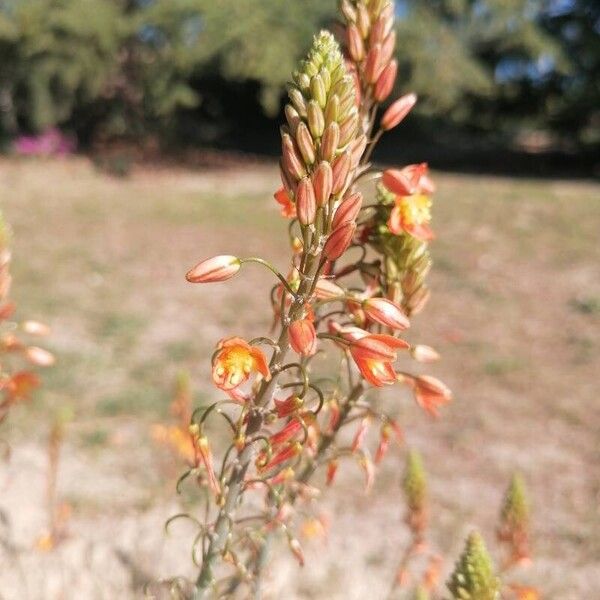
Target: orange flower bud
x,y
385,312
397,111
348,210
303,337
378,31
323,182
373,64
340,171
305,143
292,161
338,241
431,393
296,549
290,430
292,117
330,141
306,204
286,453
289,183
385,82
215,269
356,48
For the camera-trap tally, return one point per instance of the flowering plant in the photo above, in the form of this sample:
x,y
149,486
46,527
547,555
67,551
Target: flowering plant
x,y
356,277
16,383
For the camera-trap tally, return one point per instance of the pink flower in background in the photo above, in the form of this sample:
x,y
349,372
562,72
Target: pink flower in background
x,y
49,143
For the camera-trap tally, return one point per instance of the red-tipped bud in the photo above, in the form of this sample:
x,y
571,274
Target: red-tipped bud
x,y
373,64
323,182
386,313
340,169
303,337
305,143
215,269
338,241
291,158
385,83
326,289
397,111
356,48
306,204
348,210
330,141
289,183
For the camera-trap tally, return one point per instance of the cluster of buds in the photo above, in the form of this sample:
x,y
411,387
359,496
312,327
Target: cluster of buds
x,y
16,384
513,530
474,577
285,422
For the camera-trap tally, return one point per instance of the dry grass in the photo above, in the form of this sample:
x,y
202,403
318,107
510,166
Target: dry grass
x,y
515,313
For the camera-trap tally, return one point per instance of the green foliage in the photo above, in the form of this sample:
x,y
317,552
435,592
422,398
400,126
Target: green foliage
x,y
129,67
473,577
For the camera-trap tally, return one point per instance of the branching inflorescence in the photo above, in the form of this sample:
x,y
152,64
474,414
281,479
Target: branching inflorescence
x,y
357,274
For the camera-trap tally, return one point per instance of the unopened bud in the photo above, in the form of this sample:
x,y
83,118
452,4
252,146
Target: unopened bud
x,y
305,143
332,109
348,210
348,10
357,150
317,89
397,111
338,241
372,64
363,21
387,48
323,182
330,141
306,205
316,119
291,158
348,128
292,117
215,269
385,82
341,169
355,44
298,101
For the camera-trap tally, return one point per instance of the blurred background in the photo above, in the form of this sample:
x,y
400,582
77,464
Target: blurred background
x,y
139,136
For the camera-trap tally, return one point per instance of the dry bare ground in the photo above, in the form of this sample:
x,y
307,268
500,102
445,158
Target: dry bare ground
x,y
515,313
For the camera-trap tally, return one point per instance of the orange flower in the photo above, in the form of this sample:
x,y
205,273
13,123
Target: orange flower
x,y
523,592
234,363
288,208
20,386
374,355
430,393
412,215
